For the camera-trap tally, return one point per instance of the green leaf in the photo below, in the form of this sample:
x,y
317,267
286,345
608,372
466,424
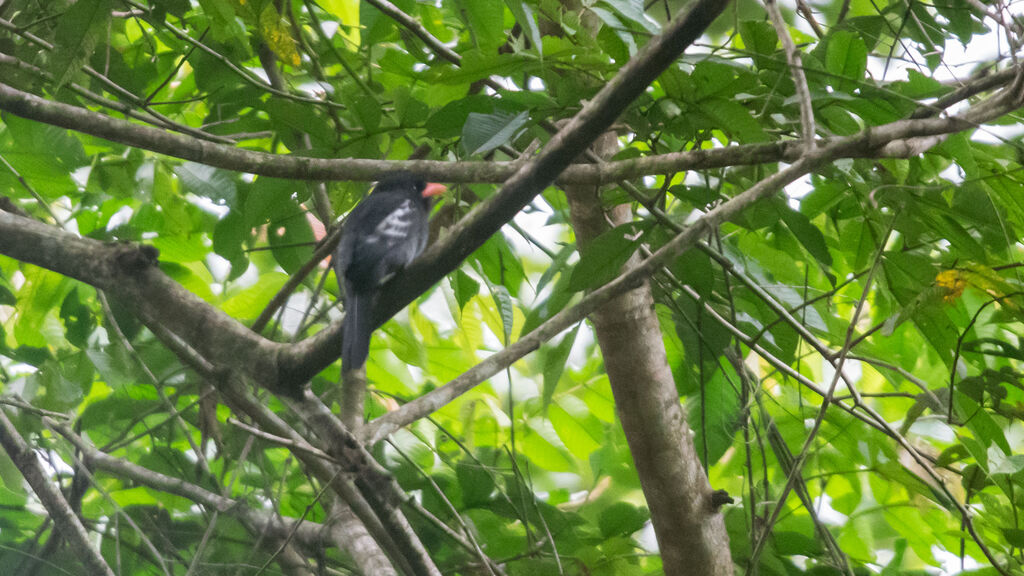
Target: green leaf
x,y
558,299
558,265
464,286
576,437
250,302
847,59
486,19
78,31
808,234
554,363
450,120
185,248
227,28
789,543
613,28
78,319
499,264
291,237
604,257
760,38
523,14
39,295
476,483
1014,537
485,132
622,519
733,119
140,496
229,236
42,155
715,418
207,182
506,309
633,11
544,454
113,366
7,298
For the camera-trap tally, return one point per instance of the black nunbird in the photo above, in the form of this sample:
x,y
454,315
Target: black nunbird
x,y
383,234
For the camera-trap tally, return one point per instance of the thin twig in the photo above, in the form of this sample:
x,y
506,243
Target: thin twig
x,y
796,69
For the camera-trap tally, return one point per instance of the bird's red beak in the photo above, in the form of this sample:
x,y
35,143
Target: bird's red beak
x,y
433,189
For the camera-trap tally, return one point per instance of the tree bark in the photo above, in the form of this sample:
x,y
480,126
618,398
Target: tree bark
x,y
691,533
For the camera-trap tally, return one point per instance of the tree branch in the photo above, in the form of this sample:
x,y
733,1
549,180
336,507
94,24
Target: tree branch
x,y
309,533
57,507
130,274
85,121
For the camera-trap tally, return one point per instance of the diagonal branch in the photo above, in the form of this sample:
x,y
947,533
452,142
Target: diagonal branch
x,y
130,274
309,533
53,500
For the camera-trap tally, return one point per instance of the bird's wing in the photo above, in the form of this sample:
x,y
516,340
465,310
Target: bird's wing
x,y
387,246
395,227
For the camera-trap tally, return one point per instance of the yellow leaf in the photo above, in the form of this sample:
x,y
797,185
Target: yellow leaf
x,y
954,283
276,34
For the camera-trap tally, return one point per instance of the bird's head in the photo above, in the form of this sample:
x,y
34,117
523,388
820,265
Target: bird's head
x,y
408,183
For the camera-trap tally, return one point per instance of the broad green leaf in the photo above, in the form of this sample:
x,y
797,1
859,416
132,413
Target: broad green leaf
x,y
625,47
42,155
250,302
633,11
604,257
1014,537
79,29
78,319
505,308
807,233
554,363
715,417
485,132
846,60
190,248
450,120
229,234
40,295
733,119
476,483
7,298
576,437
291,237
500,266
544,454
789,543
139,496
227,28
207,182
524,16
758,36
622,519
486,19
464,286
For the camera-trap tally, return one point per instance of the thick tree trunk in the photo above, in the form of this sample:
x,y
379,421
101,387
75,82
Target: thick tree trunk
x,y
690,532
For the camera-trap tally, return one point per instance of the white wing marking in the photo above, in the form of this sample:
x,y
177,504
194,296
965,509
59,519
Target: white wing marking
x,y
396,225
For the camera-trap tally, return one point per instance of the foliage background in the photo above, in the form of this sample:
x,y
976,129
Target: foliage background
x,y
902,273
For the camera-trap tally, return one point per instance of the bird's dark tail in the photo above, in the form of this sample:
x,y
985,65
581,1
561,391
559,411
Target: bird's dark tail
x,y
355,338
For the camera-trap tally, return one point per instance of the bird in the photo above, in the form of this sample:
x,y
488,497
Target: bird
x,y
382,235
